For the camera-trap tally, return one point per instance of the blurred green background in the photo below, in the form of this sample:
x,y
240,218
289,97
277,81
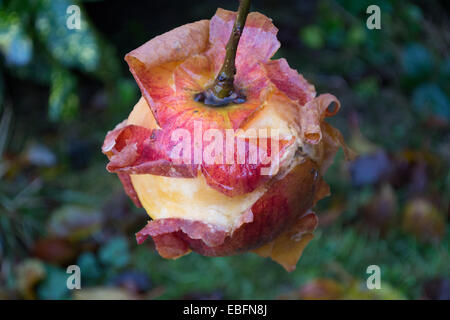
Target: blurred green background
x,y
61,90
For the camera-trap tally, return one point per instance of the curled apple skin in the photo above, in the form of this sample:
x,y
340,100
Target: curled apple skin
x,y
284,203
169,70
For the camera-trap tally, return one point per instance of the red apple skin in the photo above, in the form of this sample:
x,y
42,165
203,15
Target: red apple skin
x,y
168,70
281,206
134,149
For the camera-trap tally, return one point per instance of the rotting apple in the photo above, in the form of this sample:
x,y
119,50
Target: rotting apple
x,y
224,208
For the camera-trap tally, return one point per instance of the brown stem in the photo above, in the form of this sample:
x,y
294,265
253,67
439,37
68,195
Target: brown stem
x,y
223,91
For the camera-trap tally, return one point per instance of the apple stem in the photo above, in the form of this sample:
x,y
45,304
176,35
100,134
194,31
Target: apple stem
x,y
223,91
223,85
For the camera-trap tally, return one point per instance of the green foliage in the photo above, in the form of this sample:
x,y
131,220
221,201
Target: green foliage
x,y
92,270
54,286
429,99
312,36
72,48
63,103
367,88
15,44
417,61
41,25
115,253
2,88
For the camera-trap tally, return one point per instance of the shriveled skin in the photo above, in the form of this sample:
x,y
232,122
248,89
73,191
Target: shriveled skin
x,y
170,69
267,213
288,247
139,146
285,201
276,210
281,206
189,198
277,220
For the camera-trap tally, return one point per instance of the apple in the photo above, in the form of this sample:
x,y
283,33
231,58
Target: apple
x,y
198,169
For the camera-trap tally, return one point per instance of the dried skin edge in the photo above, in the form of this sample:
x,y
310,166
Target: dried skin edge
x,y
188,40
